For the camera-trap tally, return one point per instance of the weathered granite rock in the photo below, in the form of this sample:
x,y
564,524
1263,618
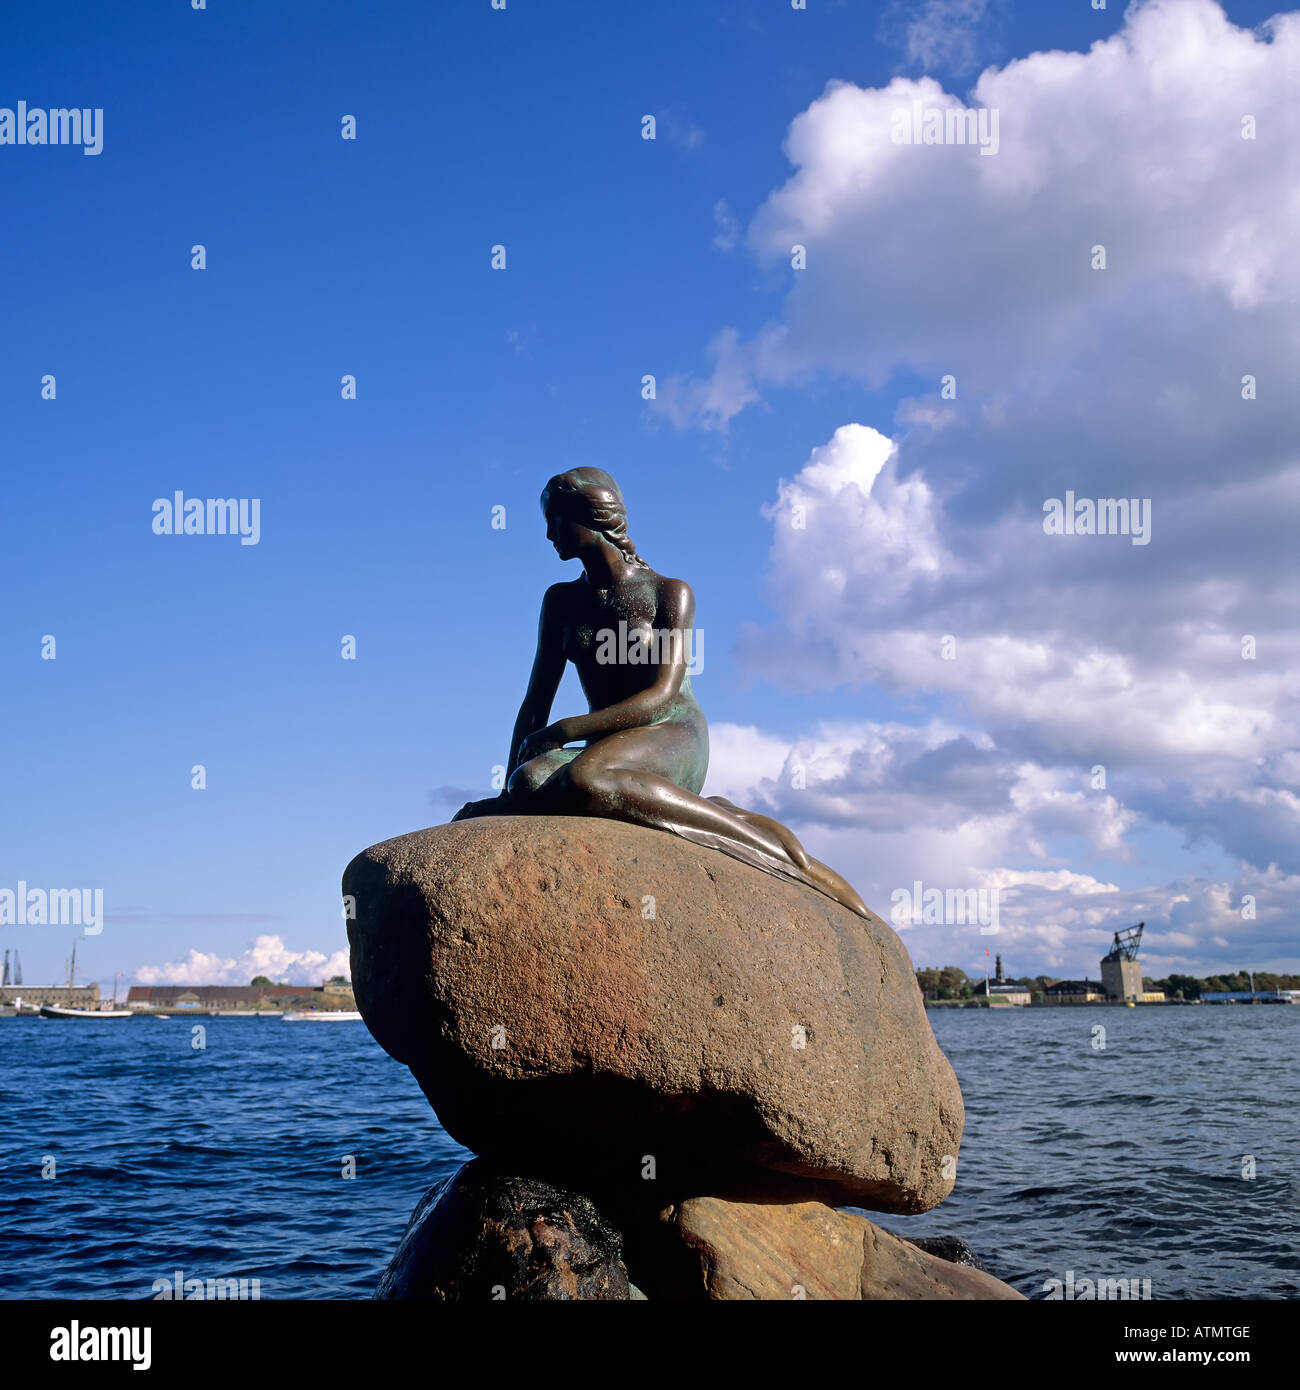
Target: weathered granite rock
x,y
614,1007
487,1235
807,1251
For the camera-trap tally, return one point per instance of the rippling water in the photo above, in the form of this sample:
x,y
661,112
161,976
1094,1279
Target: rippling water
x,y
227,1162
223,1163
1126,1163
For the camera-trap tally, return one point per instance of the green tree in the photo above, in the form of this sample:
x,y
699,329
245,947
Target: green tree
x,y
953,983
259,980
929,982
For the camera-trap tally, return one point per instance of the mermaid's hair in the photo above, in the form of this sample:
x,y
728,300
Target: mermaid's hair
x,y
591,497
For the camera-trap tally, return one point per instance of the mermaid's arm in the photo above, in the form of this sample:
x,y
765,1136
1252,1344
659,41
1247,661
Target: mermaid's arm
x,y
544,681
548,667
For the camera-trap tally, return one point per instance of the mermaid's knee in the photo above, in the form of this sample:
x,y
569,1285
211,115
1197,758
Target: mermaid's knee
x,y
587,787
528,779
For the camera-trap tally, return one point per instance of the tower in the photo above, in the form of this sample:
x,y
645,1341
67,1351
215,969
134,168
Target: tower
x,y
1121,971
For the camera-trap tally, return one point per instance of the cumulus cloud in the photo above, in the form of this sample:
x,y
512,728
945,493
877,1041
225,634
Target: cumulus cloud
x,y
1070,723
265,955
1062,924
1087,692
935,258
891,777
891,805
1076,673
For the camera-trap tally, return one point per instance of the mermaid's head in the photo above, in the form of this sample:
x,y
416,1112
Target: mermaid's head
x,y
589,498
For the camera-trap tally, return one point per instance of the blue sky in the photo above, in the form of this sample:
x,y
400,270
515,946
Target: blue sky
x,y
624,257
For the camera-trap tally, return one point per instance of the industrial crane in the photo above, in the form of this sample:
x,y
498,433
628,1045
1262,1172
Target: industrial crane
x,y
1126,944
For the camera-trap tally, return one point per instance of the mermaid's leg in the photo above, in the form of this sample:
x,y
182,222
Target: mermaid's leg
x,y
525,793
824,877
629,776
533,786
836,887
783,832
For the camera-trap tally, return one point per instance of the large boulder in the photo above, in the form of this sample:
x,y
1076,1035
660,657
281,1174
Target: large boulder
x,y
742,1251
617,1007
488,1235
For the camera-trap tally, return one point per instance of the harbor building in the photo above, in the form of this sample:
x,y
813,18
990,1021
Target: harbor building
x,y
1121,971
1121,977
64,996
1000,990
69,995
1074,992
237,999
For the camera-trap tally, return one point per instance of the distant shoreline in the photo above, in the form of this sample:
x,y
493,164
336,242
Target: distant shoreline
x,y
1096,1004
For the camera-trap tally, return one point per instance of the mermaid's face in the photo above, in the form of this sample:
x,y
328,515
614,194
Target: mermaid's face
x,y
568,537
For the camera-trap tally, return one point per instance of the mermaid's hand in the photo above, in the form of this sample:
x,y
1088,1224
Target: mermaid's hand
x,y
541,741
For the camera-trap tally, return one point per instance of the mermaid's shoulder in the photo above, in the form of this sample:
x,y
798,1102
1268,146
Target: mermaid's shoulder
x,y
676,598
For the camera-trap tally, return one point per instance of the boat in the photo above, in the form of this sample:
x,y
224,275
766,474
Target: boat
x,y
57,1011
104,1011
323,1016
162,1016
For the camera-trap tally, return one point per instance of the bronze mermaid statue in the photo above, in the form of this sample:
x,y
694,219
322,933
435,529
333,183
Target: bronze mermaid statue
x,y
645,743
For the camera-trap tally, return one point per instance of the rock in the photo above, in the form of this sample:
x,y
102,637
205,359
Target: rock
x,y
807,1251
613,1006
487,1235
950,1248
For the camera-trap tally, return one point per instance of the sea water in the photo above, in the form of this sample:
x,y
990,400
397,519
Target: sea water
x,y
293,1156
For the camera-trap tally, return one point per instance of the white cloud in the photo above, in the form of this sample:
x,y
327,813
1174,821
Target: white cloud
x,y
265,955
937,258
887,778
1068,653
727,232
890,804
937,33
876,535
1085,705
715,401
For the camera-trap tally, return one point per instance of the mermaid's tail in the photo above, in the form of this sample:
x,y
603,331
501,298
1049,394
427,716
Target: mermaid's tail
x,y
796,866
815,875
